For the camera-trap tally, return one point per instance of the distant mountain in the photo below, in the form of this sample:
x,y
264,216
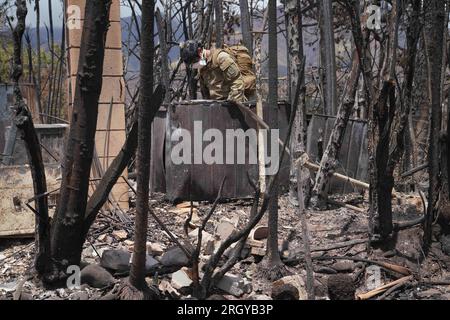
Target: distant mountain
x,y
310,41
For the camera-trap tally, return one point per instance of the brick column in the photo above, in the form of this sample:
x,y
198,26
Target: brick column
x,y
111,133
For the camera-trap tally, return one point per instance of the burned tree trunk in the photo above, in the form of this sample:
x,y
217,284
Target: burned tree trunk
x,y
361,40
384,182
329,158
434,26
412,39
218,10
382,176
24,122
273,266
247,38
163,53
67,240
259,104
296,73
137,273
328,56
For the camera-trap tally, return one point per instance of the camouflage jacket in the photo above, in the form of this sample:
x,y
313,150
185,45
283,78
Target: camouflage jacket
x,y
222,77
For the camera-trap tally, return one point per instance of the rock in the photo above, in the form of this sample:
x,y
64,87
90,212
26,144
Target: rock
x,y
120,234
2,257
96,276
61,293
181,280
109,240
326,270
285,291
88,252
344,266
247,287
166,288
81,295
341,287
245,252
116,260
430,293
206,237
129,244
225,228
174,257
232,284
154,249
259,297
151,263
8,286
288,288
100,251
320,289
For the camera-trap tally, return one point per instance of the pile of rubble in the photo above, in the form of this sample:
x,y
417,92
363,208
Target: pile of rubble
x,y
107,256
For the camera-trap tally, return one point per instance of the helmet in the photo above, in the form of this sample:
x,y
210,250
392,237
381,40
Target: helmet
x,y
189,51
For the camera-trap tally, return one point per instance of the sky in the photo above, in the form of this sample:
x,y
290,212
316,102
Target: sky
x,y
57,7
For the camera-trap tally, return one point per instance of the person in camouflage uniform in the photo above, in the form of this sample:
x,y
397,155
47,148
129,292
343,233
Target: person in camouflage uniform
x,y
219,75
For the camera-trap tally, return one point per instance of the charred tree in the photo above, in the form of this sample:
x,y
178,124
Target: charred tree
x,y
361,40
67,228
247,38
218,11
328,56
413,31
296,73
163,53
259,104
382,182
330,157
273,267
434,26
137,273
24,122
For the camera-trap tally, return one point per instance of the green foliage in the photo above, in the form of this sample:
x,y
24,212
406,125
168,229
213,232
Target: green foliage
x,y
6,60
6,54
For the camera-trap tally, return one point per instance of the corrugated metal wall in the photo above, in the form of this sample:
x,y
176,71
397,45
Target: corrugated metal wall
x,y
6,92
353,157
202,182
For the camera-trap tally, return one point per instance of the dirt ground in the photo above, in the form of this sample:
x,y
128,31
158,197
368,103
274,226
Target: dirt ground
x,y
341,227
